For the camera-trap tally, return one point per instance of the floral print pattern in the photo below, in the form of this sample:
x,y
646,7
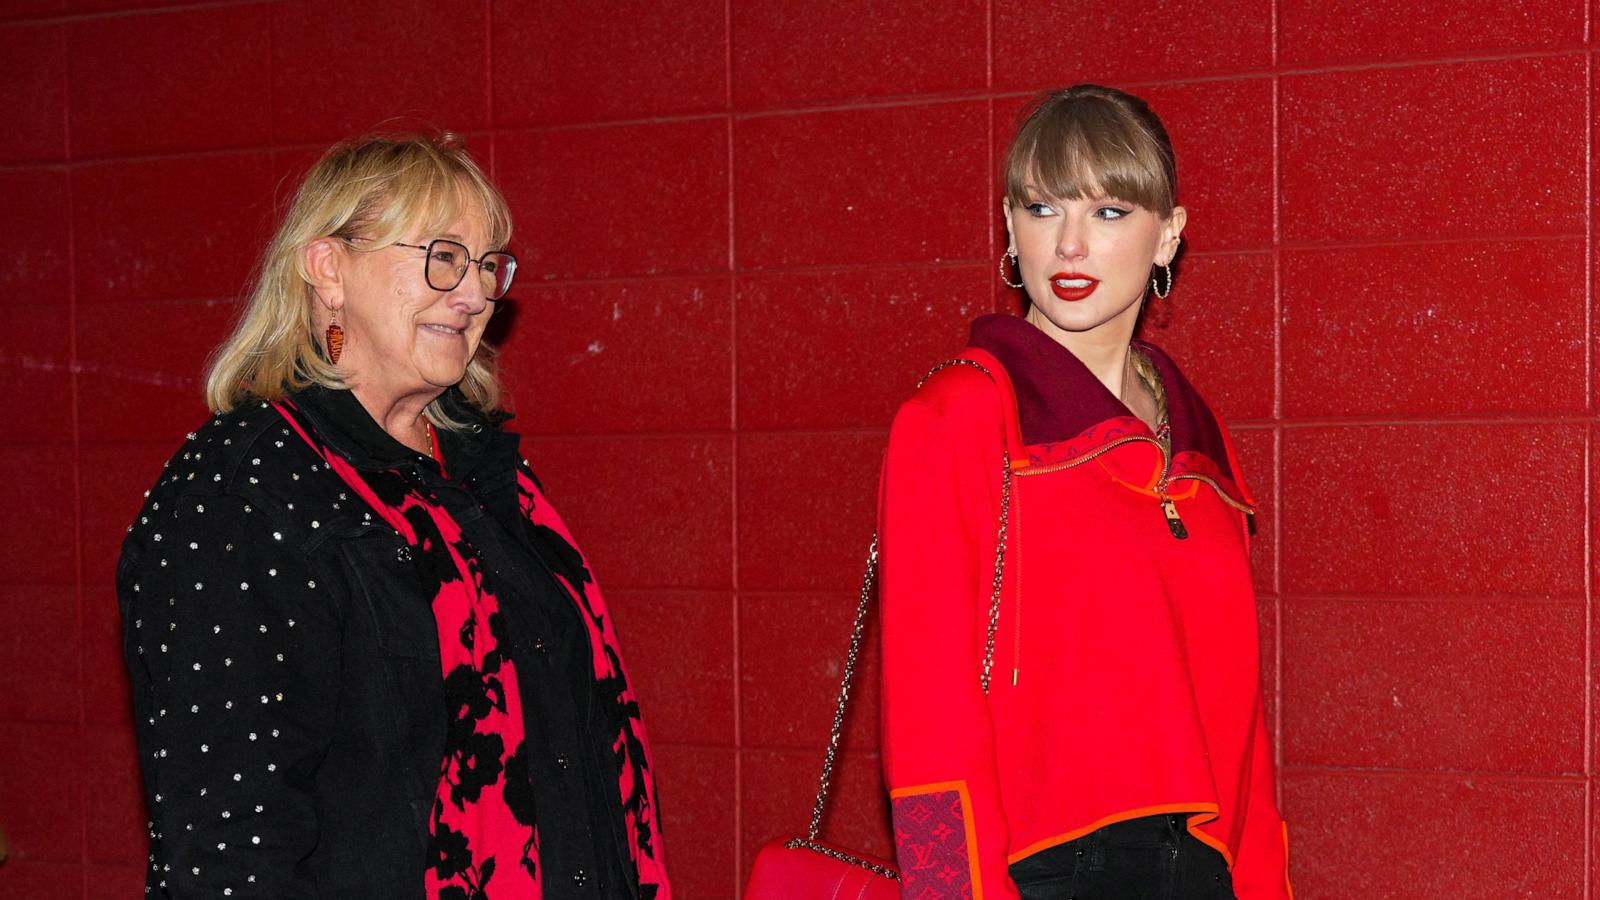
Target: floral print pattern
x,y
483,812
619,706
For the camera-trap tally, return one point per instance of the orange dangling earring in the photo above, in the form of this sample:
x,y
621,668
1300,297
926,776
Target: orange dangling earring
x,y
335,338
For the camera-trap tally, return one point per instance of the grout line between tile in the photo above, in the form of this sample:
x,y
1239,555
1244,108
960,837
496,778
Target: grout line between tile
x,y
992,169
77,457
1294,597
1507,418
1516,418
749,272
128,13
1431,241
695,745
1588,231
1512,54
488,68
1588,663
733,462
847,431
658,593
1437,774
988,50
1588,477
1277,602
103,302
1277,410
134,159
975,263
272,91
1272,29
63,585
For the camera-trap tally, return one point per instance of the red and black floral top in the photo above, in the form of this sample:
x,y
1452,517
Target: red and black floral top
x,y
483,810
359,673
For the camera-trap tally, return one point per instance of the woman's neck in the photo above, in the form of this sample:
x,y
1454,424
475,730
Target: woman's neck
x,y
401,417
1103,350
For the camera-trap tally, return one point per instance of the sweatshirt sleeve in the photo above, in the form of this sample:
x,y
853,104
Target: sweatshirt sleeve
x,y
938,516
233,656
1260,871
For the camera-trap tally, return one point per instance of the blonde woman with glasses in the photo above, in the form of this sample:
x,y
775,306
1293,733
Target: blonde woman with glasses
x,y
368,659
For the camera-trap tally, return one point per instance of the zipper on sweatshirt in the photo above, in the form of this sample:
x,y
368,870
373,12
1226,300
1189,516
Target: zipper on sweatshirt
x,y
1174,521
1203,479
1168,507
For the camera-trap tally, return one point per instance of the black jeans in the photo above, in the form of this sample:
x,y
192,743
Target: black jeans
x,y
1153,858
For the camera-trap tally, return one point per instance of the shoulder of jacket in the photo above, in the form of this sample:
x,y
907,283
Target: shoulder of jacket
x,y
959,390
211,454
248,455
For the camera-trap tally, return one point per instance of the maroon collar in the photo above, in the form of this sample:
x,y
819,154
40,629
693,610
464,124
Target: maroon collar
x,y
1058,398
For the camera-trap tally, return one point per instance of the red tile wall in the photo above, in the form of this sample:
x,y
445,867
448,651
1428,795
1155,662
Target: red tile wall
x,y
747,227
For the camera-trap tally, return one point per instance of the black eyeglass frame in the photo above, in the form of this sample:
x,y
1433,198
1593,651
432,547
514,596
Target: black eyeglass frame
x,y
427,265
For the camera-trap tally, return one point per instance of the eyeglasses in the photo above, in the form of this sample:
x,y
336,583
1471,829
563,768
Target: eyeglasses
x,y
447,262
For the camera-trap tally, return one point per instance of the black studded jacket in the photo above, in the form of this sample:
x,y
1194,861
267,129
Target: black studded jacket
x,y
288,696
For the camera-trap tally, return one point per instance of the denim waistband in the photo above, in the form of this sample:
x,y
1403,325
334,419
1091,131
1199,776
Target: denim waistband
x,y
1165,831
1144,831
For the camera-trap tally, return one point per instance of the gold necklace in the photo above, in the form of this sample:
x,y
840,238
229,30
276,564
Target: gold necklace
x,y
430,440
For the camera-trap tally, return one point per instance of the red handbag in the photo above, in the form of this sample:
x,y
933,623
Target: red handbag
x,y
801,869
805,868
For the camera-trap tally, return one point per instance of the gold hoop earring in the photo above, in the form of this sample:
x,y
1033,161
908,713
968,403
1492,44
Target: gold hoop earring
x,y
1004,279
1156,289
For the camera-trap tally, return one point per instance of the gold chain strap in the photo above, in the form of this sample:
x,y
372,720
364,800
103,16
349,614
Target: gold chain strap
x,y
825,850
999,571
1000,541
868,582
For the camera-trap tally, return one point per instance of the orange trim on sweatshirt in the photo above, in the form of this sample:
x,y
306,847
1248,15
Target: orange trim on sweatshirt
x,y
1203,812
959,787
1213,843
1148,489
1286,885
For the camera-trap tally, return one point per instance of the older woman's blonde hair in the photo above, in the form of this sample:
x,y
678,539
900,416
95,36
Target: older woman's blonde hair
x,y
1093,141
371,192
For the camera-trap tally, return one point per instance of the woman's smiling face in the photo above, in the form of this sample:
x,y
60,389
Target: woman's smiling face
x,y
1086,262
402,337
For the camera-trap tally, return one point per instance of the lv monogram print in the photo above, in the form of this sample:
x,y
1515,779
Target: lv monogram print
x,y
930,836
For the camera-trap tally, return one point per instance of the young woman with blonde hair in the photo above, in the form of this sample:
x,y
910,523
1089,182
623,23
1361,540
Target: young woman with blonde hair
x,y
1072,704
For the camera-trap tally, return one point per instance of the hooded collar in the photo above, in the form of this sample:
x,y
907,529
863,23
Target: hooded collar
x,y
1059,399
349,430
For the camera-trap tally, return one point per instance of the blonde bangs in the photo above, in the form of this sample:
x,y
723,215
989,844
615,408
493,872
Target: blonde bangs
x,y
425,197
371,191
1093,142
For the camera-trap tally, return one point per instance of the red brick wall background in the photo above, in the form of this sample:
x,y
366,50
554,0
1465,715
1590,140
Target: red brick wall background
x,y
746,229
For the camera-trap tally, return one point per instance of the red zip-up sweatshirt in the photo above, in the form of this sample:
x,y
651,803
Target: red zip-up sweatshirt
x,y
1126,677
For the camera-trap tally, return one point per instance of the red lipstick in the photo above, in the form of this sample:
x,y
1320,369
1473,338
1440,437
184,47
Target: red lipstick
x,y
1080,287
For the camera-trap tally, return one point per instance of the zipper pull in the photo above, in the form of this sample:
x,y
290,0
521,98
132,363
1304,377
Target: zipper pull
x,y
1174,523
